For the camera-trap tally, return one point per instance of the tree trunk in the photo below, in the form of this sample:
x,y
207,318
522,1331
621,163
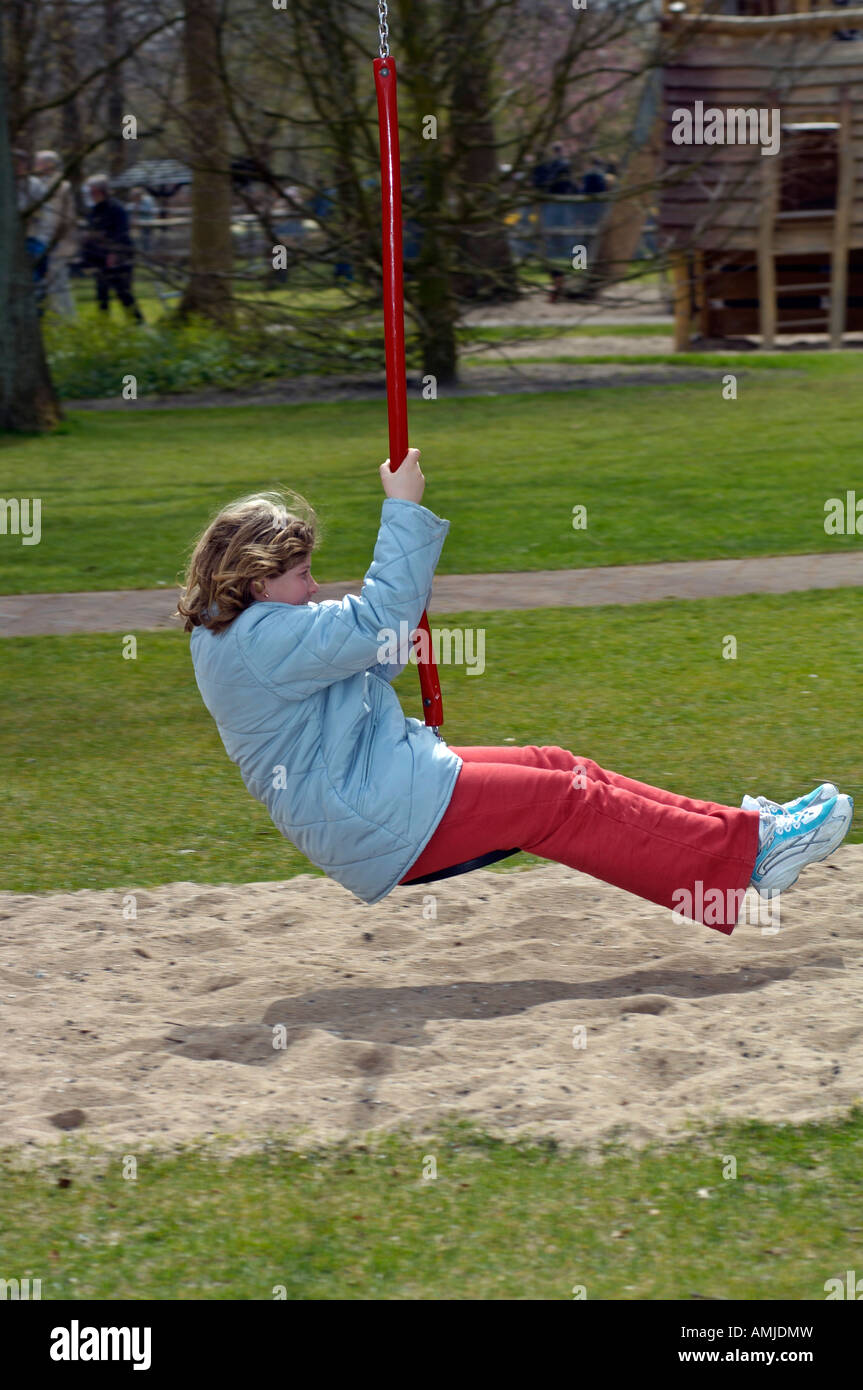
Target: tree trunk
x,y
114,78
18,19
433,298
71,135
431,292
486,268
211,252
27,399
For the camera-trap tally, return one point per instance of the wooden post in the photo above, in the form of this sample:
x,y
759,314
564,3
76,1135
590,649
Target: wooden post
x,y
682,300
766,256
842,224
701,295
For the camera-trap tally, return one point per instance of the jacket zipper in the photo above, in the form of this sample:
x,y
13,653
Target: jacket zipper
x,y
366,765
368,757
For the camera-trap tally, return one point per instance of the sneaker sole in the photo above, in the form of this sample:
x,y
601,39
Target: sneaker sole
x,y
831,845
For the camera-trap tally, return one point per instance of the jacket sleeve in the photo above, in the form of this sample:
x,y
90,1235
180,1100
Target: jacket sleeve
x,y
300,649
391,670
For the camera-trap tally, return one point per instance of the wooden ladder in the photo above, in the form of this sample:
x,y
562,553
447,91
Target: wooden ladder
x,y
837,285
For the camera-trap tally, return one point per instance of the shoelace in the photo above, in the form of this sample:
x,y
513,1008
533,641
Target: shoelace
x,y
766,831
794,820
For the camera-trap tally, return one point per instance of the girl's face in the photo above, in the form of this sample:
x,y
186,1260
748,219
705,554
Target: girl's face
x,y
294,586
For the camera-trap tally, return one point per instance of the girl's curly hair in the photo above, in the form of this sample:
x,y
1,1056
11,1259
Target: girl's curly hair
x,y
256,537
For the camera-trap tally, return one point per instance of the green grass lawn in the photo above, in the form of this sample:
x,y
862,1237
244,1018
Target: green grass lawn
x,y
302,296
312,290
316,330
158,300
157,295
499,1221
666,473
115,775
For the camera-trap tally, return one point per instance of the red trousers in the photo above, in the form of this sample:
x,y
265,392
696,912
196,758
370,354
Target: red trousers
x,y
647,841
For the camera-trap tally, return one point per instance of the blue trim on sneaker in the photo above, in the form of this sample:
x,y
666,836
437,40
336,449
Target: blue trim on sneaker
x,y
825,792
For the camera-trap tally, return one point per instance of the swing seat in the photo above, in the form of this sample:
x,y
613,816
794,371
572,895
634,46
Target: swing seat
x,y
467,867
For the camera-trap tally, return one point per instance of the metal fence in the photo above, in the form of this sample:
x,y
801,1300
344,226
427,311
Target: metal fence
x,y
552,227
547,229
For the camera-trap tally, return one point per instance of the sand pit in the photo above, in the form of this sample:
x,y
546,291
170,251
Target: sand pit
x,y
161,1029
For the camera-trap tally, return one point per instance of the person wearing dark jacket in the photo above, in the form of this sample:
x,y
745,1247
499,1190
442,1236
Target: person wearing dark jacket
x,y
594,180
109,247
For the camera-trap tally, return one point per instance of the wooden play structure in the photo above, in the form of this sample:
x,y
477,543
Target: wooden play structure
x,y
761,244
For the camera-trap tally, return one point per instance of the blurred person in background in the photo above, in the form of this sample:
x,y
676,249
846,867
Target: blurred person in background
x,y
30,190
61,231
143,214
594,180
109,248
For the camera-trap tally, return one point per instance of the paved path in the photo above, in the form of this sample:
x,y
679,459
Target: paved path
x,y
131,610
501,379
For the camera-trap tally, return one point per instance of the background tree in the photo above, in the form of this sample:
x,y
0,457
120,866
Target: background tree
x,y
41,86
208,291
27,398
482,241
113,86
287,97
501,80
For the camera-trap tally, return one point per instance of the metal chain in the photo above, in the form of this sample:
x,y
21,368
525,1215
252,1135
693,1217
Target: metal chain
x,y
384,28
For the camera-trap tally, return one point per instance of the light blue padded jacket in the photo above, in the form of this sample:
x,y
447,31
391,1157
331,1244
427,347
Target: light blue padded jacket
x,y
306,709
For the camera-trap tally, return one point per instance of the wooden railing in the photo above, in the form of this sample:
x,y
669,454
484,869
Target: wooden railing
x,y
750,9
797,17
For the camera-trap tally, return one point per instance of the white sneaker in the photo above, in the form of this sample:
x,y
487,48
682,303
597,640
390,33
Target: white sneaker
x,y
790,841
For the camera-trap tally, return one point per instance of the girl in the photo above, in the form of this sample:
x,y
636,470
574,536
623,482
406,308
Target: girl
x,y
303,703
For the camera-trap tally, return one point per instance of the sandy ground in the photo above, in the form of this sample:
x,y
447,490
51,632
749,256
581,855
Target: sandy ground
x,y
160,1029
631,301
605,345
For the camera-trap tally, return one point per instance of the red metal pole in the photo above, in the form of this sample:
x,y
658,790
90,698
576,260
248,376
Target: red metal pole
x,y
394,335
